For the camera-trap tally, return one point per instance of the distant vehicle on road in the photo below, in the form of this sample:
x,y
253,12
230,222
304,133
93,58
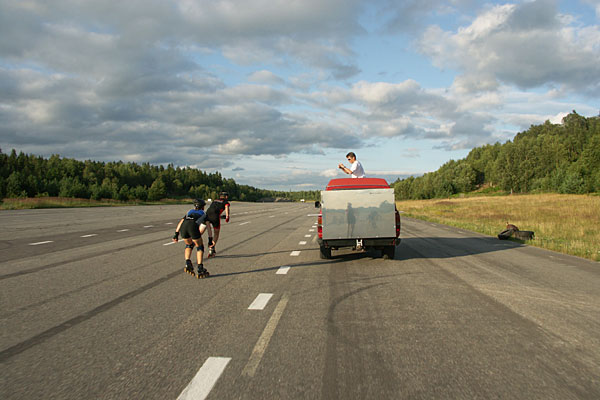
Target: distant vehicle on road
x,y
360,214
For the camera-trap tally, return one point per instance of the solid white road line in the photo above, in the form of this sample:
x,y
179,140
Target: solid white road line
x,y
123,230
295,253
283,270
205,379
261,301
265,337
90,235
244,223
302,243
37,243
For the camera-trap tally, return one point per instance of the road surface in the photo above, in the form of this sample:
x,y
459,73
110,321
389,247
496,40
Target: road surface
x,y
95,304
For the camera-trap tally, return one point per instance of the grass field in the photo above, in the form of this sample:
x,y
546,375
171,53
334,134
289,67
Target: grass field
x,y
565,223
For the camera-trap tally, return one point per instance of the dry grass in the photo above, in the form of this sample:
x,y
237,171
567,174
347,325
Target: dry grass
x,y
565,223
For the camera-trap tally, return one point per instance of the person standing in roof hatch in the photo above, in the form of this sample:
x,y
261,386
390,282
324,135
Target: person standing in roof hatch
x,y
356,170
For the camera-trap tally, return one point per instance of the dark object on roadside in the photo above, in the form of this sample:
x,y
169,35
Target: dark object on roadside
x,y
511,226
522,235
505,234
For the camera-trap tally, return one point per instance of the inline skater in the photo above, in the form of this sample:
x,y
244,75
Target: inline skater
x,y
213,216
192,226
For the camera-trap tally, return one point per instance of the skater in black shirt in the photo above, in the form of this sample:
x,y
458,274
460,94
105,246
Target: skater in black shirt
x,y
213,216
192,226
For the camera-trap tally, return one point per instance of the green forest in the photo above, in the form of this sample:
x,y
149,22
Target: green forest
x,y
558,158
23,175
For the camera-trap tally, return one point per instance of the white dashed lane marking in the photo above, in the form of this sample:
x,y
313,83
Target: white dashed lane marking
x,y
311,230
283,270
90,235
261,301
38,243
265,338
306,235
166,244
205,379
149,226
302,243
123,230
244,223
295,253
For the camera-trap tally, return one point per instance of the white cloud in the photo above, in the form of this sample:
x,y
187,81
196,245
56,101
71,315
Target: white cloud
x,y
528,45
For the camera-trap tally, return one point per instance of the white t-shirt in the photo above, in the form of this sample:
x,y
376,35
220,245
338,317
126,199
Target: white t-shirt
x,y
357,170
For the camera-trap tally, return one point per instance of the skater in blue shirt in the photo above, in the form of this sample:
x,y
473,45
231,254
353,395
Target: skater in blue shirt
x,y
192,226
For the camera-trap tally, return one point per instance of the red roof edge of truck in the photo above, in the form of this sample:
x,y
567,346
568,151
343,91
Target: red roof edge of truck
x,y
357,183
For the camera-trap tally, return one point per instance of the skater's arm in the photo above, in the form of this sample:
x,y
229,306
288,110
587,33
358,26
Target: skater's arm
x,y
176,235
227,213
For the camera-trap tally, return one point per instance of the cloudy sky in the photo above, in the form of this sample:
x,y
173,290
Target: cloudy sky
x,y
274,93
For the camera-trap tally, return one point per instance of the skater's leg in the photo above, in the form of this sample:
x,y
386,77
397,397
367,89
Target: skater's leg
x,y
199,250
216,237
188,249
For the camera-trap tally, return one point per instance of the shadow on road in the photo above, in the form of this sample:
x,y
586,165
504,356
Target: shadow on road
x,y
444,247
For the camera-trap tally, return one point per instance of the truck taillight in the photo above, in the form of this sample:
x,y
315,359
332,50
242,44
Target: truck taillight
x,y
397,223
320,226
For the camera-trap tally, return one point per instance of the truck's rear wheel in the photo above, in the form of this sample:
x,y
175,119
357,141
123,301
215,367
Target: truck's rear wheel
x,y
389,252
325,252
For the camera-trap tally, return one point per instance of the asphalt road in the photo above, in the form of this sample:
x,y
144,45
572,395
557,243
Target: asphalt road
x,y
95,304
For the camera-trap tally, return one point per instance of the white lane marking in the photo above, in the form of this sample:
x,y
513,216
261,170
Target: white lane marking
x,y
271,216
168,223
302,242
123,230
37,243
265,337
201,385
244,223
283,270
261,301
307,235
149,226
295,253
167,244
311,230
314,226
90,235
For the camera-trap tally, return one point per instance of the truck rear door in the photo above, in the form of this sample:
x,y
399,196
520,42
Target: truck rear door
x,y
358,214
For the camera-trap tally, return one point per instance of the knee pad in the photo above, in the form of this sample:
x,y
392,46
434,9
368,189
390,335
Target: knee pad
x,y
189,246
200,248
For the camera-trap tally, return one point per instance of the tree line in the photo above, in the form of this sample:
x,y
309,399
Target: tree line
x,y
27,175
561,158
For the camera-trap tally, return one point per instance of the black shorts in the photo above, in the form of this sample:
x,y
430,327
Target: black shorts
x,y
214,219
190,229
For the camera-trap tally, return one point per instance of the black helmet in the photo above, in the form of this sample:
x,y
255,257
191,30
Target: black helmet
x,y
199,203
223,194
